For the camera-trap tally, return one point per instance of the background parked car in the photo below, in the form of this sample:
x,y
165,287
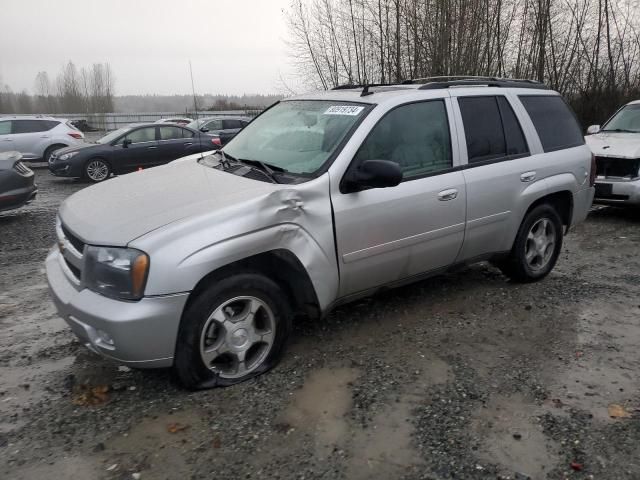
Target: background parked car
x,y
129,148
17,185
176,120
224,126
83,125
616,147
35,137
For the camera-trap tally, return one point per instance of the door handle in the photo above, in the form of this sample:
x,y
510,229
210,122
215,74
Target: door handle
x,y
152,148
528,177
449,194
188,143
45,136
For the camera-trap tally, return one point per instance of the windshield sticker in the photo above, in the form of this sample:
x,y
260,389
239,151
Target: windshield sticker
x,y
344,110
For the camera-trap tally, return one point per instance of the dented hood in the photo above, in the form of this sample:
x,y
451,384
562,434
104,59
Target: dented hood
x,y
620,145
122,209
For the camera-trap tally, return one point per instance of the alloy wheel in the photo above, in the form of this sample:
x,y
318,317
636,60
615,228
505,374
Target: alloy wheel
x,y
97,170
540,244
237,337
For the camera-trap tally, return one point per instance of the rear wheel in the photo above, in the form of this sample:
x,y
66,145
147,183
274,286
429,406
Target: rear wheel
x,y
97,170
537,246
234,330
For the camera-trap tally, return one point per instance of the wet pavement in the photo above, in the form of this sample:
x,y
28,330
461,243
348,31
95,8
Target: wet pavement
x,y
462,376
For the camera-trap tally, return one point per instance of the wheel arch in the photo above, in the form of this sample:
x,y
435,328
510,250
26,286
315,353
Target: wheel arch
x,y
53,146
280,265
561,201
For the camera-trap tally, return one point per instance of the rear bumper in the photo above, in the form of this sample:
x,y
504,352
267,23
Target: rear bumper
x,y
582,201
140,334
617,192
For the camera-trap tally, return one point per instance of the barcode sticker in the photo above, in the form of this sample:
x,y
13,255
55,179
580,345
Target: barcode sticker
x,y
344,110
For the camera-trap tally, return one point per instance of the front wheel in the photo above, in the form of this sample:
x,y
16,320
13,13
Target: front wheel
x,y
234,330
97,170
537,246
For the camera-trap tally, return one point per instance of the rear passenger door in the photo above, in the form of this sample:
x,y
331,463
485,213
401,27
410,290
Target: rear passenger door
x,y
499,168
31,137
175,142
386,235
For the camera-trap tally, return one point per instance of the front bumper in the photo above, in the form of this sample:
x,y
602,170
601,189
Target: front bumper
x,y
16,190
139,334
617,192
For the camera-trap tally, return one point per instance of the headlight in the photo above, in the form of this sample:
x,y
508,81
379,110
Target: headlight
x,y
67,156
116,272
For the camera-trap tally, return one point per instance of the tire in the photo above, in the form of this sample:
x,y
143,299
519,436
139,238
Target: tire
x,y
97,170
537,246
50,149
234,330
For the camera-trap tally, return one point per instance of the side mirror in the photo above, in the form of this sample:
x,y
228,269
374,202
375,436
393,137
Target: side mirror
x,y
374,174
204,129
593,129
126,142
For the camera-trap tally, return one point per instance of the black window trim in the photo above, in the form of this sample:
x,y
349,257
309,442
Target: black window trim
x,y
564,147
122,137
453,168
504,158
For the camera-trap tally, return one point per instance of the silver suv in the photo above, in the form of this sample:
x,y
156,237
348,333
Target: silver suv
x,y
37,137
202,264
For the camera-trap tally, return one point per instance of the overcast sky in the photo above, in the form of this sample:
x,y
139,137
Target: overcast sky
x,y
235,46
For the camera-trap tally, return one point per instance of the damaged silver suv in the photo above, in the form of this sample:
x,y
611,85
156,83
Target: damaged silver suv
x,y
203,263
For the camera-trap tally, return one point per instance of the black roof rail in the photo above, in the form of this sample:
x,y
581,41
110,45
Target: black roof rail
x,y
350,86
433,83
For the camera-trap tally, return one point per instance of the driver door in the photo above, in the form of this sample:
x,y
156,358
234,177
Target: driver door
x,y
387,235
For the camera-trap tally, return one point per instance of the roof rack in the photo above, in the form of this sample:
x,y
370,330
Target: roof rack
x,y
431,83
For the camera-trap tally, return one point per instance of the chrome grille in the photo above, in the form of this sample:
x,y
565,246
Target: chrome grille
x,y
618,167
71,253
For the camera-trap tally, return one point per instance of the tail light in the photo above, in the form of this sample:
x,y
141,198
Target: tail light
x,y
216,141
77,136
592,175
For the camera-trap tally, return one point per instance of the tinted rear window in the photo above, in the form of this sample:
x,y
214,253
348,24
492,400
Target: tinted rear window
x,y
32,126
555,123
482,128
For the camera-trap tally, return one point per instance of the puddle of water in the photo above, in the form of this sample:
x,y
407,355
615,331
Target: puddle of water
x,y
149,447
17,395
386,449
69,468
320,406
605,367
498,421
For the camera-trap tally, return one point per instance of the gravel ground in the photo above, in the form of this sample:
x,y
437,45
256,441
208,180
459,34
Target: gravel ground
x,y
462,376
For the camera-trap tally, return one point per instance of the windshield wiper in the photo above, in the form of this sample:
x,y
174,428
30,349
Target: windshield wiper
x,y
269,170
619,130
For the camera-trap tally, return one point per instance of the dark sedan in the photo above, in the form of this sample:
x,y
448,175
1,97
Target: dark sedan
x,y
17,186
128,149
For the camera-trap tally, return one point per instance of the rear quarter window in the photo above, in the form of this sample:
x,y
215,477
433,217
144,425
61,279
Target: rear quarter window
x,y
554,121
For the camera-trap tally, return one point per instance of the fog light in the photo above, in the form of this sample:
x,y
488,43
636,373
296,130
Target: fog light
x,y
104,338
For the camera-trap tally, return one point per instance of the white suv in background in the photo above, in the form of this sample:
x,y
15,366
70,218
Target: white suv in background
x,y
37,137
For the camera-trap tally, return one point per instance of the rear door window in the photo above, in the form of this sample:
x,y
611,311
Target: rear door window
x,y
516,143
231,124
491,129
29,126
214,125
554,121
171,133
